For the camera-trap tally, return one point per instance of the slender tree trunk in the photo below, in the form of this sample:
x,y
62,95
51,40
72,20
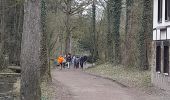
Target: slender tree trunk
x,y
68,26
49,68
7,27
68,34
2,32
12,32
110,50
95,51
19,32
30,52
44,52
129,4
116,12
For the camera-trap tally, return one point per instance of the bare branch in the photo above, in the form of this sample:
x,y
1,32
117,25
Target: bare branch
x,y
102,3
60,6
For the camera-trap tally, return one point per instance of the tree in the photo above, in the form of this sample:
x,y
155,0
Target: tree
x,y
70,8
94,39
45,70
2,32
144,36
133,10
30,51
110,50
116,6
128,34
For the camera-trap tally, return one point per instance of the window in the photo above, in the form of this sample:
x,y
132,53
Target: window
x,y
163,33
167,10
166,59
162,57
159,11
158,59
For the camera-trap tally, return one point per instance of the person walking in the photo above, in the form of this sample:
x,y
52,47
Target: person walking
x,y
85,59
74,61
60,60
81,61
77,60
68,59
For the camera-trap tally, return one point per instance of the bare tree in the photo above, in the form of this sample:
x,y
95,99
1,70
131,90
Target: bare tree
x,y
70,8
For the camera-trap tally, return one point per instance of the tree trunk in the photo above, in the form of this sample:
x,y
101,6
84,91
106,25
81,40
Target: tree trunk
x,y
30,52
44,58
95,51
68,26
145,34
116,12
2,32
49,68
19,32
133,17
126,56
110,50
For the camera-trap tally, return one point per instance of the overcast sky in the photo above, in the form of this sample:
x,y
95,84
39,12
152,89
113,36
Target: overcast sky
x,y
99,11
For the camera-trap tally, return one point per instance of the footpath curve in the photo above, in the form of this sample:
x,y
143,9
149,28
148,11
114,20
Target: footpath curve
x,y
84,86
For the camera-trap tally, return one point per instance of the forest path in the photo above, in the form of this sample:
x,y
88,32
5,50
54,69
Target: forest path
x,y
84,86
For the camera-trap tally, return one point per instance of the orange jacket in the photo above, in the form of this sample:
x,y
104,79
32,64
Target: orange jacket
x,y
60,59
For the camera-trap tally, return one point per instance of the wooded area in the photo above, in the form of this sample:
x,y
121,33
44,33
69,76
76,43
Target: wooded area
x,y
32,32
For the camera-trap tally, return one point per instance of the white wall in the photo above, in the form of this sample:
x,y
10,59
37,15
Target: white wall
x,y
157,34
155,15
168,33
154,35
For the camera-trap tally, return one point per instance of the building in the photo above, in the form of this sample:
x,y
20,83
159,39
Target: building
x,y
161,44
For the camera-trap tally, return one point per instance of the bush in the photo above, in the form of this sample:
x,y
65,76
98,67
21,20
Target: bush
x,y
91,60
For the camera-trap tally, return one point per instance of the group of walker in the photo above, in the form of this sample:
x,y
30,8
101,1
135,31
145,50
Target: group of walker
x,y
68,60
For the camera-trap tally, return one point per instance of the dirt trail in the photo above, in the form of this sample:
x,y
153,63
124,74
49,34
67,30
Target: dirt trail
x,y
88,87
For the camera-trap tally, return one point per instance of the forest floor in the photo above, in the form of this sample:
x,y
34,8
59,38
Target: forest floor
x,y
79,85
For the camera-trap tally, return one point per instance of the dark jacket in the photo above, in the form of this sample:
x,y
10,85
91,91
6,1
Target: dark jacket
x,y
68,59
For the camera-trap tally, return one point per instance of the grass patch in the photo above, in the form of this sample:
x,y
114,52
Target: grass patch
x,y
47,91
129,77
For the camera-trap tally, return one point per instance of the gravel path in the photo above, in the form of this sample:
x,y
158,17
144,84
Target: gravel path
x,y
83,86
